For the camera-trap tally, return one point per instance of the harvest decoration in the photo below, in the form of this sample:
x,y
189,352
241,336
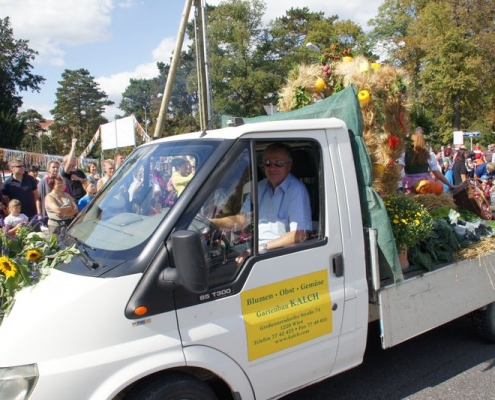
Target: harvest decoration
x,y
25,260
382,97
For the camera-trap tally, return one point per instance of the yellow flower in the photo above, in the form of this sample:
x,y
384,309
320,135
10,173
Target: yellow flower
x,y
396,216
396,221
404,221
375,66
33,255
7,267
416,222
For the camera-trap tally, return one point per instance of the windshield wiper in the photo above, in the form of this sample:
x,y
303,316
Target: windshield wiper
x,y
87,260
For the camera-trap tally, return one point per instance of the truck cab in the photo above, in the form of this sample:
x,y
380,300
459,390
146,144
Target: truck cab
x,y
158,295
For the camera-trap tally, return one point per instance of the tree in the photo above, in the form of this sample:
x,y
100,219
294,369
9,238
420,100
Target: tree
x,y
32,129
79,109
446,47
11,130
15,76
240,71
144,94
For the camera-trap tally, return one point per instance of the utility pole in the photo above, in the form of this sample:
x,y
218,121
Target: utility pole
x,y
202,65
173,71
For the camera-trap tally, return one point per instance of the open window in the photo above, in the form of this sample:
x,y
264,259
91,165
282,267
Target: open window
x,y
230,219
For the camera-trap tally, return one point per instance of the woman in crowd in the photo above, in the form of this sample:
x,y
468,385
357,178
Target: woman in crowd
x,y
420,164
93,174
60,206
459,168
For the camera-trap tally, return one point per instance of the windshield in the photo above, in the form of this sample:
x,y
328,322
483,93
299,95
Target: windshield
x,y
140,194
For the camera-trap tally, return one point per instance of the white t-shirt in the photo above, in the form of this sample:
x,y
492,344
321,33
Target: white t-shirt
x,y
13,221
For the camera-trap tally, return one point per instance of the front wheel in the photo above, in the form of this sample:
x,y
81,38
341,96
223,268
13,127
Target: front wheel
x,y
173,386
484,322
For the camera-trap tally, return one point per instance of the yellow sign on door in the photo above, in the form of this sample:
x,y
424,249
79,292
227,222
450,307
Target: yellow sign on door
x,y
287,313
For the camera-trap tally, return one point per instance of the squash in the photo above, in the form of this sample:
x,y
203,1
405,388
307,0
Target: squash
x,y
425,186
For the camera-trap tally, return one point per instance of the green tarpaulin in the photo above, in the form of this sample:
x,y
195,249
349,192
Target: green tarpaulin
x,y
345,106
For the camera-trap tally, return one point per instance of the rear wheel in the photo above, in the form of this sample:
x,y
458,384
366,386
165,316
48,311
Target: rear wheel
x,y
484,322
173,386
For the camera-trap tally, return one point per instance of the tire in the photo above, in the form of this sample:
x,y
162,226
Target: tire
x,y
173,386
484,323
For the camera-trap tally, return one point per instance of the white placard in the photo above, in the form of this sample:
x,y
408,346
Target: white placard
x,y
118,133
458,137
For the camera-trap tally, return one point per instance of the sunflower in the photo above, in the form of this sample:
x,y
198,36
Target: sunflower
x,y
7,267
33,254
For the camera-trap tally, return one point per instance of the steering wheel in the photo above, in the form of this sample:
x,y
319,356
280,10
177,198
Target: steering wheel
x,y
202,224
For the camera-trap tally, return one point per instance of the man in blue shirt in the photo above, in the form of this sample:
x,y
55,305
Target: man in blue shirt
x,y
284,204
485,171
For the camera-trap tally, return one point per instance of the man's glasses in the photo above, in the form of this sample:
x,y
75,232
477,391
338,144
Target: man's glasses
x,y
277,163
19,166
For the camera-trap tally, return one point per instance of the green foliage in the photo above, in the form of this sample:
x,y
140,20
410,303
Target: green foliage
x,y
27,258
439,247
79,109
447,48
410,220
301,98
15,69
11,130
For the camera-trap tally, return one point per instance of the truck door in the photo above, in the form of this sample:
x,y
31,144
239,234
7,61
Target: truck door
x,y
277,313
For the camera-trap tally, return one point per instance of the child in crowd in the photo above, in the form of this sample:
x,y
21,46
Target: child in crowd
x,y
90,189
15,219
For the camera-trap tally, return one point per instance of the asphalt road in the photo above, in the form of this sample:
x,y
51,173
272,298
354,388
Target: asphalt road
x,y
450,362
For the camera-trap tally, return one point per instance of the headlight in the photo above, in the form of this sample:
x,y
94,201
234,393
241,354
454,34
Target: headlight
x,y
17,383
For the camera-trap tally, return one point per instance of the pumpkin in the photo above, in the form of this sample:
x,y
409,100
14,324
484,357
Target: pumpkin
x,y
425,186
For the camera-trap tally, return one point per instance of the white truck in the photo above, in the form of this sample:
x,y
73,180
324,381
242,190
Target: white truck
x,y
150,310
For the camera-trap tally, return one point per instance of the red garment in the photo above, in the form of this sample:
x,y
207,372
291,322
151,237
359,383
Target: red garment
x,y
478,152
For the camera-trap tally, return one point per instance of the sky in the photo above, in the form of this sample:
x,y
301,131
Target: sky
x,y
116,40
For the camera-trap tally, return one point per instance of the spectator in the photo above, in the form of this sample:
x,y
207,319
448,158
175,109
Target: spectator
x,y
118,160
489,153
34,172
459,168
470,166
485,171
22,187
60,206
182,175
109,170
44,188
73,176
418,163
90,188
15,219
93,174
448,152
478,152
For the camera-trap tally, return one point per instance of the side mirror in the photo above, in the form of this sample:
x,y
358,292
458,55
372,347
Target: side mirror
x,y
190,266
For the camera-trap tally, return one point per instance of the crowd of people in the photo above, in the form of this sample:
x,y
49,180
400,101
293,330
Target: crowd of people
x,y
50,203
454,167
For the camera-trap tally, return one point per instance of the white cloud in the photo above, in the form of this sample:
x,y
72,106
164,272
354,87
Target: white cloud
x,y
50,24
115,85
